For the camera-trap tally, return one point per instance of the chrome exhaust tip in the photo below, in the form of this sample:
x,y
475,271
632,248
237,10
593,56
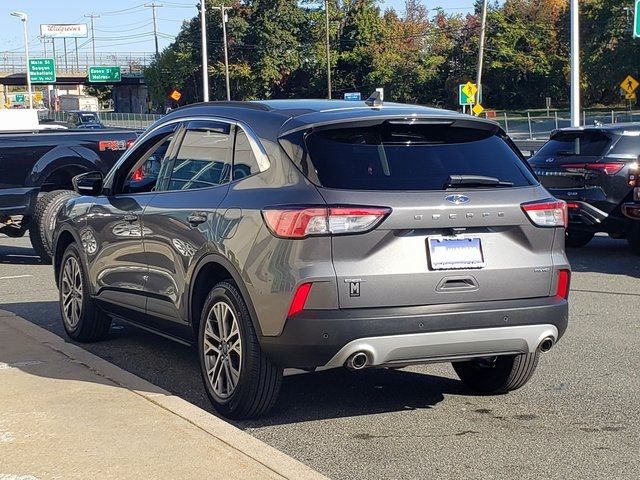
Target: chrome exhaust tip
x,y
357,361
546,344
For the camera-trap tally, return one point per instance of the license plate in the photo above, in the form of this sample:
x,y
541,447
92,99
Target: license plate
x,y
450,253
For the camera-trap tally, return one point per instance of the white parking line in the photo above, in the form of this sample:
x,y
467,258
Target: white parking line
x,y
15,276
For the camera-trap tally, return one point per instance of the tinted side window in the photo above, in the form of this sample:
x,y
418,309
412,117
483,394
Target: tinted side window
x,y
244,160
203,159
143,178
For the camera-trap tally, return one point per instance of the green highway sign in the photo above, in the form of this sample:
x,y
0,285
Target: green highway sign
x,y
467,93
42,70
101,74
20,98
636,22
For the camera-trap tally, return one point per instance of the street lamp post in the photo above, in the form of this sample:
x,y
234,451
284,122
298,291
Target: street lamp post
x,y
205,63
23,17
575,64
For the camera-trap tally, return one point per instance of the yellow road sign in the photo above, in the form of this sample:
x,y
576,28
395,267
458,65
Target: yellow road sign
x,y
470,89
478,109
631,96
37,96
630,84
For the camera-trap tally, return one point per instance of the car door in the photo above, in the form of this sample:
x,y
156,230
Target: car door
x,y
178,221
118,265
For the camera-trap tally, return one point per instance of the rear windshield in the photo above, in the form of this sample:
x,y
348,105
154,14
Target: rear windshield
x,y
628,146
589,144
409,157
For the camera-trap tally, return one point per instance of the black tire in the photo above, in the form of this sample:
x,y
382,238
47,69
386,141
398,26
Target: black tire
x,y
577,239
259,380
633,237
43,221
499,374
92,324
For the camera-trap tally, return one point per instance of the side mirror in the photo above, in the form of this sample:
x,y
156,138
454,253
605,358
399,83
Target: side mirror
x,y
89,183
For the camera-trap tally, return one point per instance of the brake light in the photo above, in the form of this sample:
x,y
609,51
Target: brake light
x,y
302,222
573,206
564,282
610,168
130,143
299,299
551,213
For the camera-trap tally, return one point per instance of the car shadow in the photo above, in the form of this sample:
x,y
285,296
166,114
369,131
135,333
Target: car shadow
x,y
605,255
17,255
304,397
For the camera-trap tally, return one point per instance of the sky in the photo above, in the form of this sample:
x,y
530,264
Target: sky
x,y
124,25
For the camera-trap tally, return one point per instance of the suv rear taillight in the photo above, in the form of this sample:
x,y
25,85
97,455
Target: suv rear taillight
x,y
564,281
548,213
609,168
302,222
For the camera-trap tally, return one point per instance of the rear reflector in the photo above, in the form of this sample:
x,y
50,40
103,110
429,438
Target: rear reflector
x,y
299,299
573,206
302,222
609,168
547,213
564,281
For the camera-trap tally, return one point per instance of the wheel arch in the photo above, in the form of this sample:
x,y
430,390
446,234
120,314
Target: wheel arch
x,y
62,241
212,269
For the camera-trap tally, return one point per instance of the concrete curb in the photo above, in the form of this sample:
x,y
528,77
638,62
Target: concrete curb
x,y
235,438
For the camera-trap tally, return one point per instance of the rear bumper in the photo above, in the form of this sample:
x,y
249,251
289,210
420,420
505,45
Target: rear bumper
x,y
403,335
587,216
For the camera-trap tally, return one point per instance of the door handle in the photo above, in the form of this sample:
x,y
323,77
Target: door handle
x,y
130,217
196,218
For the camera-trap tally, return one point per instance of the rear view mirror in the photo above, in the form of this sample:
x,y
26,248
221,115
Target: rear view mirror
x,y
89,183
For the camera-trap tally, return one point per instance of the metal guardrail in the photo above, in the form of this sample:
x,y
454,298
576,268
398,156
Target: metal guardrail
x,y
538,126
112,119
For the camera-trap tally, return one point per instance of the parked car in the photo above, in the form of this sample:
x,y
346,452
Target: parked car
x,y
36,168
83,119
320,234
589,167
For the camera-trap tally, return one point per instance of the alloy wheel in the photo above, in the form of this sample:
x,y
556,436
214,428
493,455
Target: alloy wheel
x,y
72,292
222,350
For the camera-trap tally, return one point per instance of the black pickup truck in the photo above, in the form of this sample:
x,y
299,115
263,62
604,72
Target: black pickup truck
x,y
36,168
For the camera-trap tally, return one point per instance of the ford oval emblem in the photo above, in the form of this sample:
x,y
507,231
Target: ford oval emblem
x,y
457,199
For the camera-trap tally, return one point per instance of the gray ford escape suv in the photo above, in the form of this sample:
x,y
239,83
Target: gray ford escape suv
x,y
320,234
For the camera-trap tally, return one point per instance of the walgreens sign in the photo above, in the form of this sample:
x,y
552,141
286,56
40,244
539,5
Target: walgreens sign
x,y
64,30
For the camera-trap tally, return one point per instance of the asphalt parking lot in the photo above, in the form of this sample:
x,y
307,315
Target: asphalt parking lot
x,y
577,418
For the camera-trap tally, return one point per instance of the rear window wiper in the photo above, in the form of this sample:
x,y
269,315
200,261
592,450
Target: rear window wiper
x,y
474,181
566,153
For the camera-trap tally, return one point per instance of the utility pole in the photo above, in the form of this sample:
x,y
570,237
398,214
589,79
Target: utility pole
x,y
92,16
225,18
483,29
205,63
575,64
326,18
153,7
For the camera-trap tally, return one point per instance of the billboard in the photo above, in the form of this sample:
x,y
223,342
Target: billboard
x,y
64,30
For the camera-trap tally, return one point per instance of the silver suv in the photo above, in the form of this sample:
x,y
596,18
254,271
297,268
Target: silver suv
x,y
320,234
